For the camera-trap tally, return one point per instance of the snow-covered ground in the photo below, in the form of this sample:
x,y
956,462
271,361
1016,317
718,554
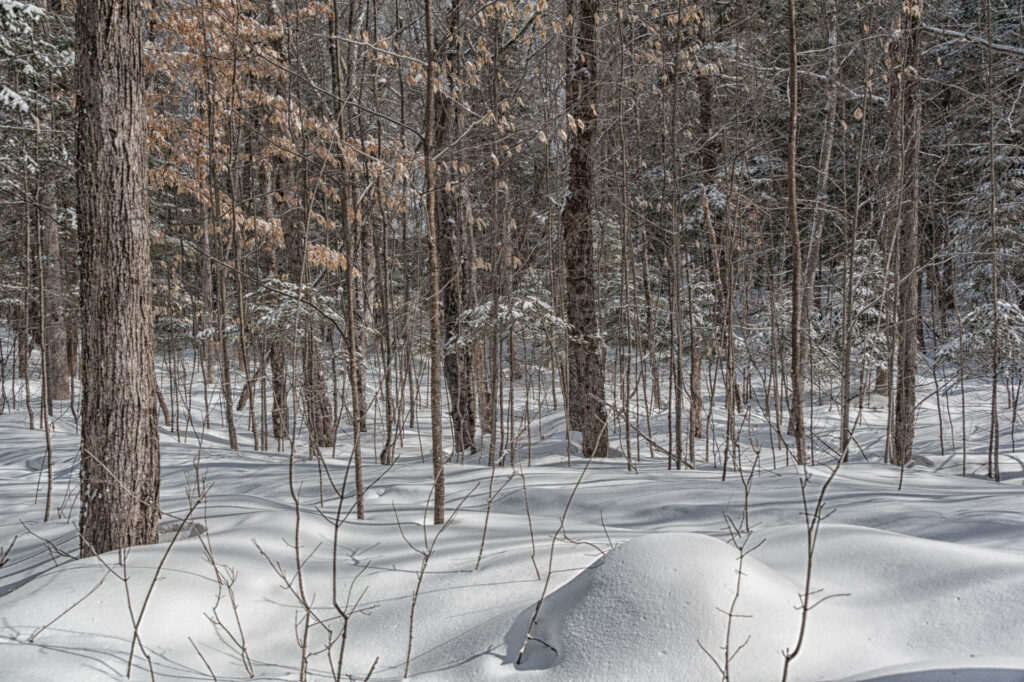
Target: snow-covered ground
x,y
918,578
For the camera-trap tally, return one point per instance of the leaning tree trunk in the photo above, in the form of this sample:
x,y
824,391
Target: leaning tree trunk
x,y
120,471
586,363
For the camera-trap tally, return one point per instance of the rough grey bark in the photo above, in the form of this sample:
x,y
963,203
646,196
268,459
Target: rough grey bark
x,y
120,471
907,121
586,407
453,220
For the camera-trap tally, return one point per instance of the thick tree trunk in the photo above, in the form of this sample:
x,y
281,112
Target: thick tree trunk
x,y
908,120
453,219
458,357
120,471
586,362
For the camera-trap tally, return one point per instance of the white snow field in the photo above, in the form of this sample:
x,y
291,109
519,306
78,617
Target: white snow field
x,y
640,573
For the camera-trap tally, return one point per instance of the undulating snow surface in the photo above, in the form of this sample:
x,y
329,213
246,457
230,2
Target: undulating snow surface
x,y
923,583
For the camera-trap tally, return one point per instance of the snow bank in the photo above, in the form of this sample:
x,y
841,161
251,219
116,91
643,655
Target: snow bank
x,y
646,609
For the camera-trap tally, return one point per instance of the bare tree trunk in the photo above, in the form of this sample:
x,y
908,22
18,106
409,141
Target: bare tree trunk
x,y
796,410
993,434
319,416
293,209
58,375
434,300
821,191
850,236
120,449
909,122
355,345
709,151
278,356
586,362
453,219
210,223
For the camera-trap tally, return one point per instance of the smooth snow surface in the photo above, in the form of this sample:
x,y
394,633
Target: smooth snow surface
x,y
625,616
919,584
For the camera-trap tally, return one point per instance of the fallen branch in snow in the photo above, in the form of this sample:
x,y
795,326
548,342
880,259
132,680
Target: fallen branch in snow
x,y
5,552
66,611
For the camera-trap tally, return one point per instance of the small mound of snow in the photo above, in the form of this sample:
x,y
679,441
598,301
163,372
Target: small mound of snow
x,y
646,609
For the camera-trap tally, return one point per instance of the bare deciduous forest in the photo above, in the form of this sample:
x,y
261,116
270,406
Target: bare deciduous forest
x,y
511,339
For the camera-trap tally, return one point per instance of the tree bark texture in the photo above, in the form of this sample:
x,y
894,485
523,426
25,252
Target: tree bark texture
x,y
120,471
586,407
907,120
796,410
453,219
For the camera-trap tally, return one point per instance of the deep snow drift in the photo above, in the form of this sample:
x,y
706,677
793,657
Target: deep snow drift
x,y
920,583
